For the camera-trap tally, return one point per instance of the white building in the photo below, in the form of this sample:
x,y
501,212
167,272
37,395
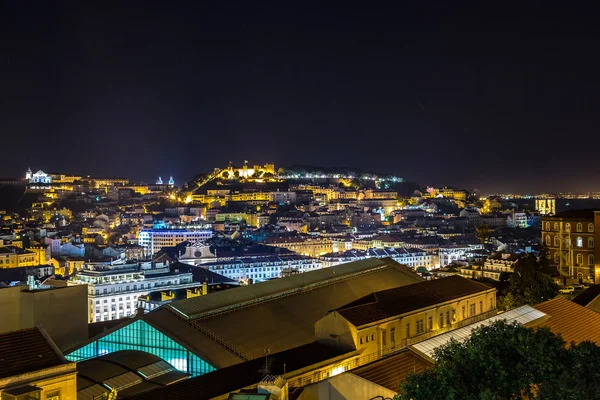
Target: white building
x,y
451,253
258,268
38,177
413,258
113,290
499,262
155,239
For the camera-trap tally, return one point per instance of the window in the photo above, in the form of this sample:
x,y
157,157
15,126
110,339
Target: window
x,y
471,310
383,340
492,303
420,326
447,317
556,258
481,306
372,337
408,330
430,323
464,314
568,227
548,240
579,241
556,226
361,340
547,226
579,227
591,260
579,259
591,242
590,227
441,322
393,335
556,241
367,339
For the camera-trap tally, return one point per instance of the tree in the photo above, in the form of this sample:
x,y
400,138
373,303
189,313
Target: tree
x,y
482,232
576,380
499,361
528,284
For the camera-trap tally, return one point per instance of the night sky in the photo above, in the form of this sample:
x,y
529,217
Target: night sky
x,y
492,97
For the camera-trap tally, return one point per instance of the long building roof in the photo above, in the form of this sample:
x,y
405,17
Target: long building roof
x,y
391,302
229,327
252,294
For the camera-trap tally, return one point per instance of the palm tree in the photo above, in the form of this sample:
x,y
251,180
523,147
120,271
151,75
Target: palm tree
x,y
482,232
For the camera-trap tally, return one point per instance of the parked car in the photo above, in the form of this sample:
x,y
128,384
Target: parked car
x,y
579,286
567,290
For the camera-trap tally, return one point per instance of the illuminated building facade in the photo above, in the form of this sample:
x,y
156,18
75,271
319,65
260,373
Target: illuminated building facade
x,y
155,239
141,336
113,290
546,206
570,237
308,246
38,177
13,257
386,321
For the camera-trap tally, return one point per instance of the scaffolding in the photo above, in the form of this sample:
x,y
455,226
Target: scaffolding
x,y
565,250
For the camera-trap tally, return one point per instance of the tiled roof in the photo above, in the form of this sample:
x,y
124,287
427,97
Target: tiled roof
x,y
397,301
572,321
235,377
584,298
25,351
389,372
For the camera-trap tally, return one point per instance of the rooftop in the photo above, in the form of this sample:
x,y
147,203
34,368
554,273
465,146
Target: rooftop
x,y
245,374
130,372
27,350
573,322
388,303
390,371
523,315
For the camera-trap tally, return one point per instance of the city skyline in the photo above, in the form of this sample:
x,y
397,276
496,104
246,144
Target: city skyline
x,y
472,97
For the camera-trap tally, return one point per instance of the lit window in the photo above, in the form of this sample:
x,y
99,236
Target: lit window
x,y
579,241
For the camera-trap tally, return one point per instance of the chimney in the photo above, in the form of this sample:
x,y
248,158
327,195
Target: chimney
x,y
275,385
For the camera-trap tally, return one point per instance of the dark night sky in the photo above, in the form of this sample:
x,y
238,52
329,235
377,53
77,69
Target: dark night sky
x,y
495,98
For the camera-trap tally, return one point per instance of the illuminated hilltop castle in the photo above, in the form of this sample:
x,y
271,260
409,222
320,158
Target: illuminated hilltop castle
x,y
257,172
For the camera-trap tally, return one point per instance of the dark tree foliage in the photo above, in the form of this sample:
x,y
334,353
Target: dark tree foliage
x,y
498,361
529,284
509,361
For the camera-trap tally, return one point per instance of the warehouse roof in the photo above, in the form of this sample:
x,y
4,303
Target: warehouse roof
x,y
238,324
390,371
241,297
245,374
27,350
396,301
572,321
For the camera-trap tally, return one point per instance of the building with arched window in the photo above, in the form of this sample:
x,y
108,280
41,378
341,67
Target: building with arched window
x,y
572,248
